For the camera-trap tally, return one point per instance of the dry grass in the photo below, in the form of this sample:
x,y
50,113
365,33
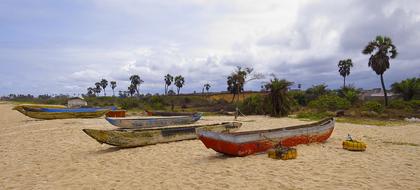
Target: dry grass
x,y
376,122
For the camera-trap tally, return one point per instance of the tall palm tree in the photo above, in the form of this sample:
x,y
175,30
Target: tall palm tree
x,y
98,88
136,82
381,50
113,86
407,88
104,84
168,81
207,87
237,79
179,82
132,89
344,69
279,99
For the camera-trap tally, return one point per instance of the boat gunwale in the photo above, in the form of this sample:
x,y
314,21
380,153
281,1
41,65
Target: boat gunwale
x,y
238,124
322,122
144,118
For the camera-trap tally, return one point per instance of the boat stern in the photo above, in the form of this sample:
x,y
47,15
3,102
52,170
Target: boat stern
x,y
197,116
112,121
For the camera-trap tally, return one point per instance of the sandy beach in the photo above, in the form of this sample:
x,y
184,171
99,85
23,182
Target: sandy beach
x,y
56,154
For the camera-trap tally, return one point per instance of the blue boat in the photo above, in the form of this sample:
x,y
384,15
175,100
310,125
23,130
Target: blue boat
x,y
76,110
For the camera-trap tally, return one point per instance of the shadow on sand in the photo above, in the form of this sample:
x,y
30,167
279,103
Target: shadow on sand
x,y
108,150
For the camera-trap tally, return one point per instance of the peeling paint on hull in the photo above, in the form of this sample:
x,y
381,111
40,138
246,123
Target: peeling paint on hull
x,y
149,122
126,138
247,143
64,115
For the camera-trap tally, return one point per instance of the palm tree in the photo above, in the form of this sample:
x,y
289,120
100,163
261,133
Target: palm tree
x,y
237,80
207,87
407,88
90,91
168,81
113,85
344,69
136,82
98,88
280,100
104,84
381,50
179,82
132,89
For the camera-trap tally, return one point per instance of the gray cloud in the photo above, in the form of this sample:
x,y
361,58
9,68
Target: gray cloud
x,y
49,52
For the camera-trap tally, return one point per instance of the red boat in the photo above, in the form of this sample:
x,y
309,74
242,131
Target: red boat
x,y
250,142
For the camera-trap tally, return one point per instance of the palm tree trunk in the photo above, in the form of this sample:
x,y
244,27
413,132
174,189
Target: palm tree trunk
x,y
344,82
104,92
233,98
113,93
383,88
177,91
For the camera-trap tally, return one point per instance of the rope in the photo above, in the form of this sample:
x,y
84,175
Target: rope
x,y
274,143
237,112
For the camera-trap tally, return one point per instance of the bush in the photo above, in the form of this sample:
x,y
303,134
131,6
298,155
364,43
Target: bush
x,y
129,103
316,91
329,102
373,106
415,104
299,97
350,93
400,105
253,105
315,115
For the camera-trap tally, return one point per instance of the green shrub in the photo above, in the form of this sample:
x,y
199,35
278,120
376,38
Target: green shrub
x,y
329,102
415,104
129,103
312,115
373,106
299,97
350,93
400,105
351,96
253,105
369,114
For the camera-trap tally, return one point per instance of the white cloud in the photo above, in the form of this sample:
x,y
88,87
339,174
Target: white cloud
x,y
203,41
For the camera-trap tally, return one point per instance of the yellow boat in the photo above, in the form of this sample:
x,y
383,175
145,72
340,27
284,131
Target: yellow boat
x,y
21,108
65,115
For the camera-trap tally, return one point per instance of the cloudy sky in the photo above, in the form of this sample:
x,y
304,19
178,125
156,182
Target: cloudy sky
x,y
50,46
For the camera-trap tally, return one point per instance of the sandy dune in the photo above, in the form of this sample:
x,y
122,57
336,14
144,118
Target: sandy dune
x,y
56,154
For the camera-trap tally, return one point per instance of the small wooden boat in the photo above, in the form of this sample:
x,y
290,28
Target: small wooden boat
x,y
21,108
65,115
140,137
250,142
163,113
147,122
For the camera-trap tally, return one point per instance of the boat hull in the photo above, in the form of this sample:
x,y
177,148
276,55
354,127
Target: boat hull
x,y
21,108
247,143
71,110
64,115
148,122
162,113
126,138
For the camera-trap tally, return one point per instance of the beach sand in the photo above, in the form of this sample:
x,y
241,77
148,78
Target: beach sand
x,y
56,154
